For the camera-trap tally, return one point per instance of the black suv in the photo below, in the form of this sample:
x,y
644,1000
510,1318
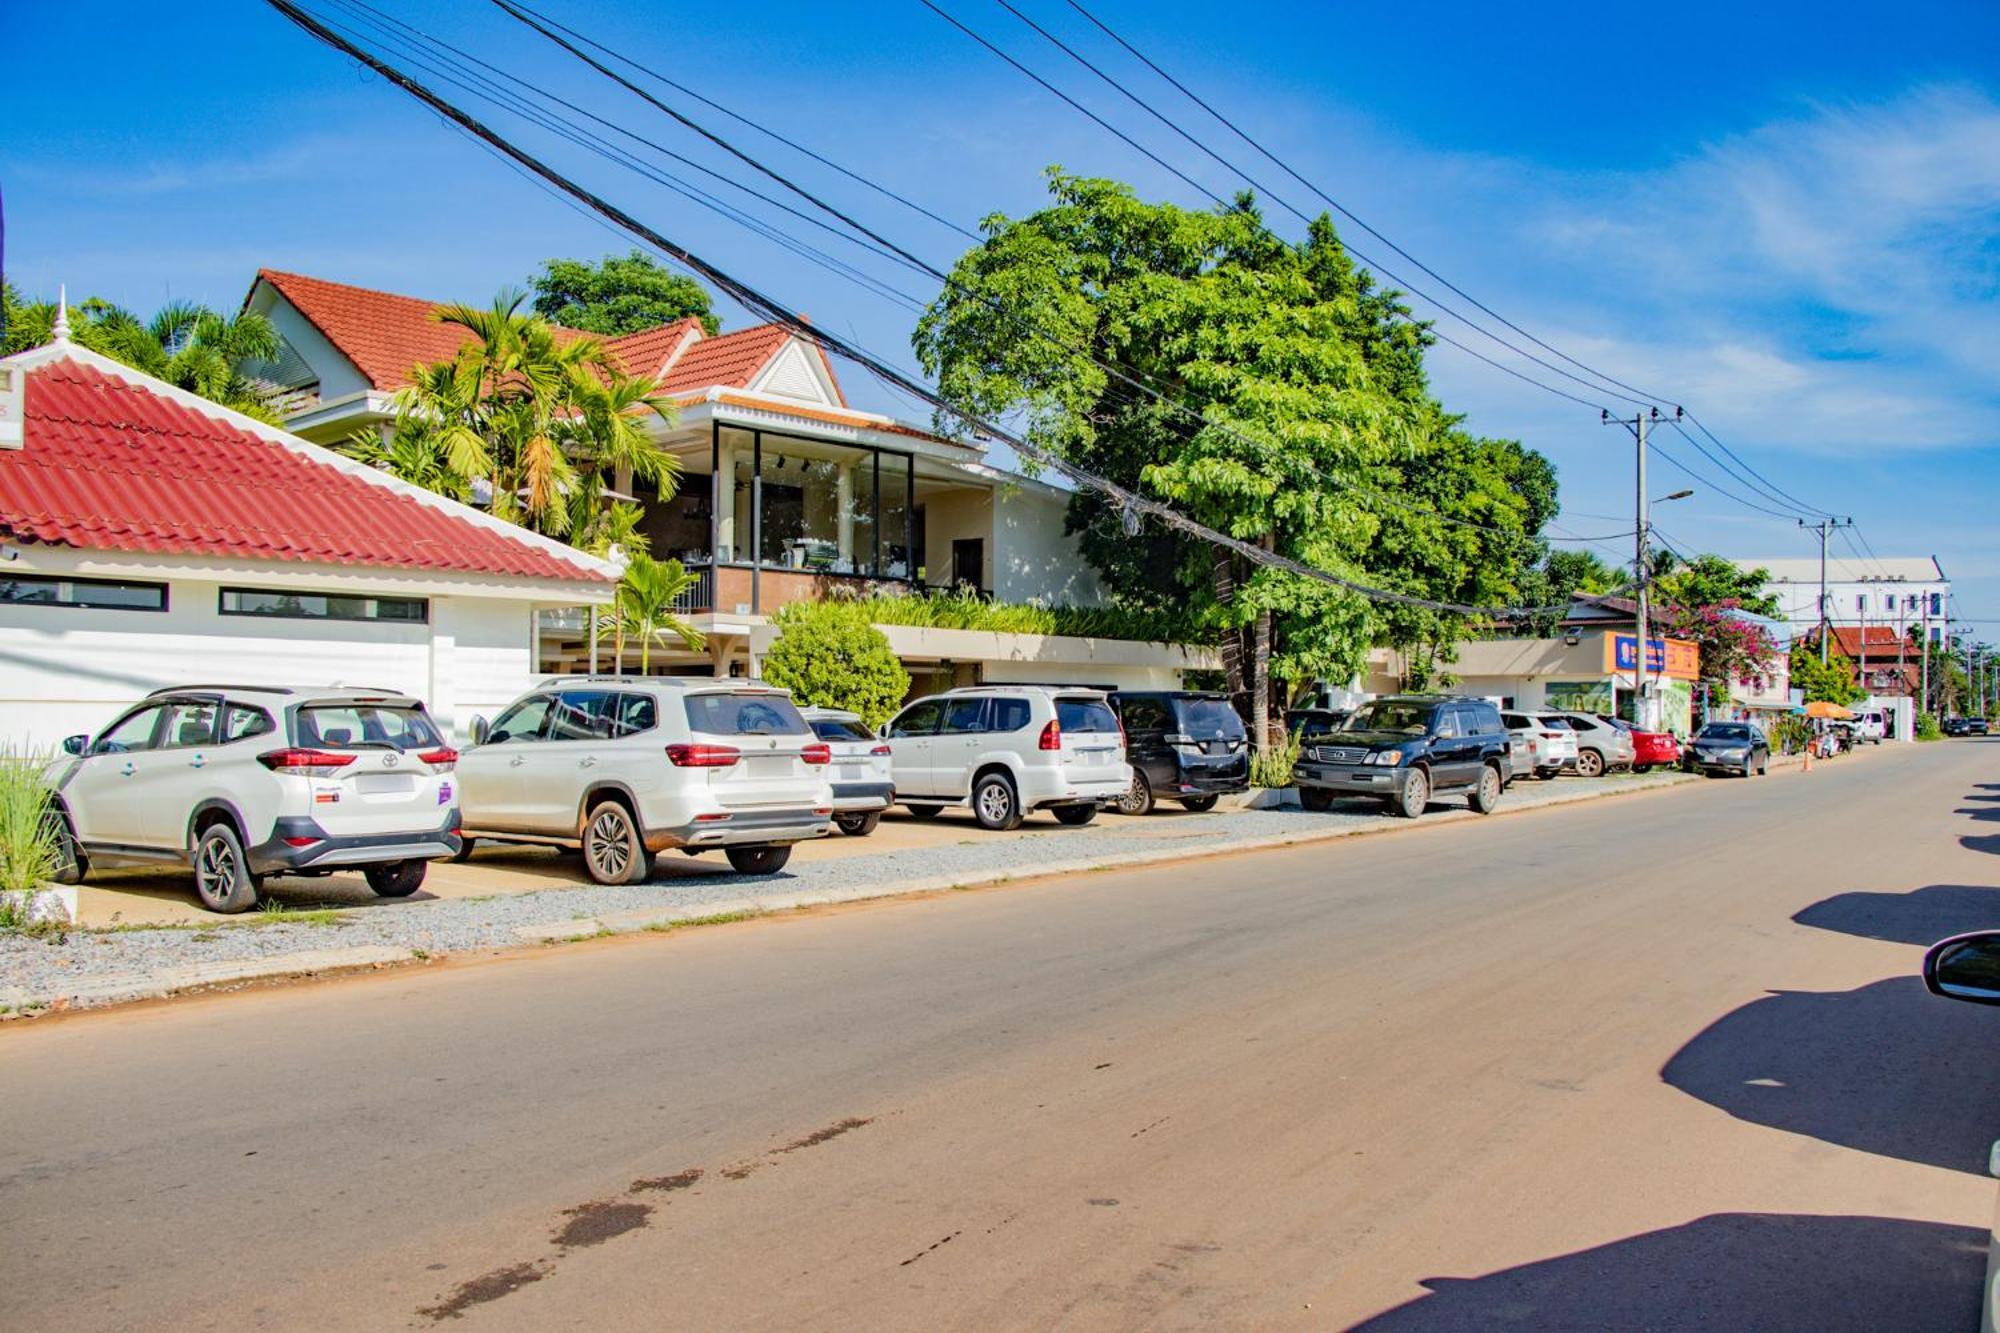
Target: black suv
x,y
1184,746
1407,748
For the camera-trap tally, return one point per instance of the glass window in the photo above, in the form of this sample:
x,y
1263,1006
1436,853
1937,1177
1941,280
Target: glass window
x,y
1449,723
1143,715
962,716
96,594
191,722
366,727
840,729
579,715
1010,715
240,722
898,554
919,719
1210,719
635,713
1410,719
132,732
523,722
323,606
1085,716
745,715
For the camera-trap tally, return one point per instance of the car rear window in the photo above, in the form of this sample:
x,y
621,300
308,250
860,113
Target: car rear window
x,y
1725,733
1557,724
1085,715
745,715
365,727
1209,719
837,729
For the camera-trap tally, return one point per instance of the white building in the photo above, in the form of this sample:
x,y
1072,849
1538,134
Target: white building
x,y
785,492
1903,592
153,538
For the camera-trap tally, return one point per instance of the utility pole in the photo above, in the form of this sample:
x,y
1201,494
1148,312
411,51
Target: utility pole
x,y
1644,715
1823,527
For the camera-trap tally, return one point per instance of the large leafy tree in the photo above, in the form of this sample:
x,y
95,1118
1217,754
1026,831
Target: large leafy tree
x,y
618,294
531,418
1717,605
1830,682
1311,432
187,345
830,655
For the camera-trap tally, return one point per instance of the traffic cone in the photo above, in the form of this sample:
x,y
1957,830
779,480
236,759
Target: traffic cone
x,y
1808,764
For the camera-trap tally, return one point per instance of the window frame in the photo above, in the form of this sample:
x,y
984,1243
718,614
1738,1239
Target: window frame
x,y
71,604
223,594
157,707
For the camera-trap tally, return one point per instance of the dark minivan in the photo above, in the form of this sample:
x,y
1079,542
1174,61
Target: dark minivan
x,y
1183,746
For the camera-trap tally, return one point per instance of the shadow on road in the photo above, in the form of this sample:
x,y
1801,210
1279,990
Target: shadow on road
x,y
1887,1068
1921,916
1771,1272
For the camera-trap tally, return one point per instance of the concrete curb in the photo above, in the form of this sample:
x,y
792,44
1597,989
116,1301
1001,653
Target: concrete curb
x,y
127,987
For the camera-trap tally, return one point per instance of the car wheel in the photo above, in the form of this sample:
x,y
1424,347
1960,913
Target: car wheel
x,y
464,852
1138,798
1485,797
858,826
1590,763
612,850
397,879
222,878
758,860
995,804
1199,804
1763,768
71,864
924,811
1547,774
1076,816
1316,798
1414,795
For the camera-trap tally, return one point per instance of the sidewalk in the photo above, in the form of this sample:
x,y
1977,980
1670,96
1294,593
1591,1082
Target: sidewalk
x,y
511,897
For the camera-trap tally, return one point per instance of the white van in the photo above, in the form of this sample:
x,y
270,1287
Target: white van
x,y
1870,724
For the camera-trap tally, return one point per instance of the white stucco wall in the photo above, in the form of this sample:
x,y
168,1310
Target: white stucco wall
x,y
1033,561
337,375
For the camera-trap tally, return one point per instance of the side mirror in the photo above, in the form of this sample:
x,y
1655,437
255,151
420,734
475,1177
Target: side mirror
x,y
1965,967
480,731
78,744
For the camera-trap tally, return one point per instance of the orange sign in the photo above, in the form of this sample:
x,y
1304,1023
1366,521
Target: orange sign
x,y
1676,659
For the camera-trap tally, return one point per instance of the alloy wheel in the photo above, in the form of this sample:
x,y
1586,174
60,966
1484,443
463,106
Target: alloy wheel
x,y
608,846
217,868
996,803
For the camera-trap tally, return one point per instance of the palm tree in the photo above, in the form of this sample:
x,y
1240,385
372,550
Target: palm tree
x,y
644,609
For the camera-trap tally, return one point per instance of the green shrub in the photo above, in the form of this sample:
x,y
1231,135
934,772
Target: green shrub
x,y
1272,766
1928,728
28,852
830,656
956,609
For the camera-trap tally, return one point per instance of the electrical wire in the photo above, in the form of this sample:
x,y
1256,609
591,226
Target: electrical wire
x,y
752,298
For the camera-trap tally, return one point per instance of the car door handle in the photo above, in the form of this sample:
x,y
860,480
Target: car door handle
x,y
516,761
588,761
196,762
126,771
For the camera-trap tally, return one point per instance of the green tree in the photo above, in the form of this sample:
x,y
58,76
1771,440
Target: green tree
x,y
1716,605
1710,580
1311,422
189,346
1558,579
618,295
643,610
829,655
1831,682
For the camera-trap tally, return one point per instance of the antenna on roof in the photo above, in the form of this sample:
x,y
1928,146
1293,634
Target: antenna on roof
x,y
61,329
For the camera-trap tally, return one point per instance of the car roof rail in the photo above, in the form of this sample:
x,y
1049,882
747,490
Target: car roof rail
x,y
247,689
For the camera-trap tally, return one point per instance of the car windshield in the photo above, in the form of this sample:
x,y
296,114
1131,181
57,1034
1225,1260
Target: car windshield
x,y
745,715
841,729
1390,715
1209,719
1725,733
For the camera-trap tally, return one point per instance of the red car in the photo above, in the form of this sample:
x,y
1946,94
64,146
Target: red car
x,y
1654,749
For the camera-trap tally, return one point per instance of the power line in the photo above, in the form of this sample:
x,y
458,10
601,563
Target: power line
x,y
754,299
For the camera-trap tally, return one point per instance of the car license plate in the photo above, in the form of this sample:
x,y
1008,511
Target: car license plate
x,y
385,784
852,771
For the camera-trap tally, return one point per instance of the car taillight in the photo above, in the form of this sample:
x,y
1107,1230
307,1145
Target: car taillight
x,y
300,842
313,763
444,758
881,750
817,754
1552,735
702,756
1051,736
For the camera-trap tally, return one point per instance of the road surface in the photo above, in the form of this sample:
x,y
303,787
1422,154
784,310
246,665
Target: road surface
x,y
1652,1062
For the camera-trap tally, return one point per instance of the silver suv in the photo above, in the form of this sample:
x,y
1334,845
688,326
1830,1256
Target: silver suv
x,y
1005,750
626,767
1601,744
242,782
863,786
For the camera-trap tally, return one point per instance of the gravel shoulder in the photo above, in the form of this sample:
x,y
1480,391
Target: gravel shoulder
x,y
86,968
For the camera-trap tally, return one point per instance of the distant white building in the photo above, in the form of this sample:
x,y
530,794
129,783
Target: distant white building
x,y
1899,593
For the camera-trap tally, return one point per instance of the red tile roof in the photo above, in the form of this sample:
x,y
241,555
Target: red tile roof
x,y
728,360
113,463
645,352
1881,642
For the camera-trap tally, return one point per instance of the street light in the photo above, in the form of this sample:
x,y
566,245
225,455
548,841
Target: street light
x,y
1677,495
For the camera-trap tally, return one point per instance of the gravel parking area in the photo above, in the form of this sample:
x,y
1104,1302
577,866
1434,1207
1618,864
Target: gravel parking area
x,y
40,970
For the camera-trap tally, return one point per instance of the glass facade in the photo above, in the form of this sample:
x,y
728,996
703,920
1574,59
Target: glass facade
x,y
786,502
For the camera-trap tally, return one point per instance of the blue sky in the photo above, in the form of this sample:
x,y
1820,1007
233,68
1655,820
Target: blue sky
x,y
1786,216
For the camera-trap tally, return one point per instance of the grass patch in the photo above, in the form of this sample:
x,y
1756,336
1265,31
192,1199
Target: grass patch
x,y
715,919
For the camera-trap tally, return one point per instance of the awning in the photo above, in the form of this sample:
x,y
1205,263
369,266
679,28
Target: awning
x,y
1821,708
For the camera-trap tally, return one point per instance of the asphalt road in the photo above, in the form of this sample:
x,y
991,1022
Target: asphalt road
x,y
1657,1062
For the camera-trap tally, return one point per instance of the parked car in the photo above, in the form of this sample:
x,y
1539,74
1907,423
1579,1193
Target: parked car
x,y
1952,726
626,767
1975,726
1309,722
862,784
1871,725
1008,750
1650,749
1729,747
1967,967
1601,744
243,782
1407,748
1182,745
1544,744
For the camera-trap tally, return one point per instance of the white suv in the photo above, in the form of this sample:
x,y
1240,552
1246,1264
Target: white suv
x,y
626,767
1006,750
243,782
863,786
